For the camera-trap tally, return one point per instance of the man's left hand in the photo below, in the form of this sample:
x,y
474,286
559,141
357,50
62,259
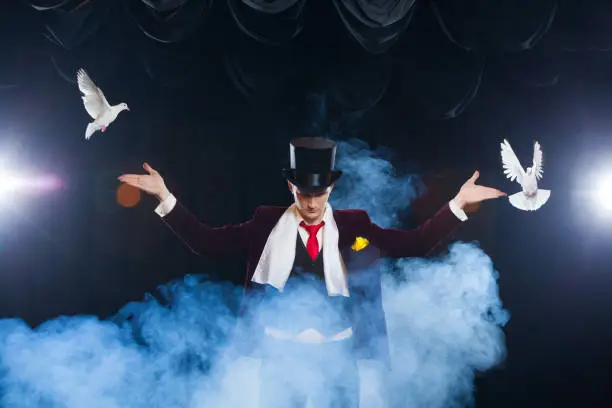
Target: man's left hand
x,y
471,193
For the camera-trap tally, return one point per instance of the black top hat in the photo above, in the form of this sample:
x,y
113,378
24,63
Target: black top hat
x,y
312,163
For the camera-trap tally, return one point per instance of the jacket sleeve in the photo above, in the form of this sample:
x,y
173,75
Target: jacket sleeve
x,y
418,242
205,240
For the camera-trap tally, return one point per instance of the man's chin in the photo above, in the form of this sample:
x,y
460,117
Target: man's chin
x,y
310,217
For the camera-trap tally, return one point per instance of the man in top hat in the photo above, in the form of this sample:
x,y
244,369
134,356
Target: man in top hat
x,y
308,251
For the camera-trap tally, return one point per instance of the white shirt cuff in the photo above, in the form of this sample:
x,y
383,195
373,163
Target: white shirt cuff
x,y
166,206
459,213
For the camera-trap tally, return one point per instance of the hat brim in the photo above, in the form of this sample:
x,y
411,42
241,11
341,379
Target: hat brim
x,y
311,182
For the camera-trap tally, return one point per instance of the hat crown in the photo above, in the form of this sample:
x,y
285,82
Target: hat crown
x,y
312,155
312,163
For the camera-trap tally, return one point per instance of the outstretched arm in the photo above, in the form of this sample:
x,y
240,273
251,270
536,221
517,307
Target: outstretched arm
x,y
421,241
418,242
199,237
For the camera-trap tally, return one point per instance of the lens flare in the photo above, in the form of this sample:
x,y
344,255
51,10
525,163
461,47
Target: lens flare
x,y
10,183
128,196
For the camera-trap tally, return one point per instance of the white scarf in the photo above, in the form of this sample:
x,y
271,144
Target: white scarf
x,y
278,255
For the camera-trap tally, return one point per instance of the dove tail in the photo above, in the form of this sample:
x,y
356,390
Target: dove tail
x,y
91,129
522,202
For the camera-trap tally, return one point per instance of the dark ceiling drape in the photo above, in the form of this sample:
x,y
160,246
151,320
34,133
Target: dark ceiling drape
x,y
165,24
433,53
493,26
271,22
375,24
70,23
164,5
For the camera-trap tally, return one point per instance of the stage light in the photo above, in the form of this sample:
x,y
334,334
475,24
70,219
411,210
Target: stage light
x,y
603,193
8,182
12,183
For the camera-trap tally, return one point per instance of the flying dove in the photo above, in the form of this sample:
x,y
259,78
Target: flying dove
x,y
531,198
96,105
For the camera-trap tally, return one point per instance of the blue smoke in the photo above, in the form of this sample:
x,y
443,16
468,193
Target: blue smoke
x,y
369,183
444,318
444,315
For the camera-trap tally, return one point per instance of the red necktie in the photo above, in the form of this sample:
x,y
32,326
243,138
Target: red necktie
x,y
312,245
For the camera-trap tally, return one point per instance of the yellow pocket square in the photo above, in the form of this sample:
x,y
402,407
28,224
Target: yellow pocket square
x,y
360,243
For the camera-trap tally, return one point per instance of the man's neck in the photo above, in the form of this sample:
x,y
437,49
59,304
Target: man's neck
x,y
316,222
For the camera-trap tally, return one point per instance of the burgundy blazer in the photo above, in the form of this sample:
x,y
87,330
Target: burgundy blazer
x,y
248,239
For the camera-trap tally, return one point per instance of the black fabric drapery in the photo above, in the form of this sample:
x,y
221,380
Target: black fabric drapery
x,y
169,25
579,30
174,65
73,22
103,61
359,83
431,53
439,94
271,22
542,69
164,5
42,5
495,25
262,71
86,34
375,24
438,81
583,26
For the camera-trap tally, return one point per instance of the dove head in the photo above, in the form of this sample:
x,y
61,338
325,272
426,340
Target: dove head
x,y
120,107
529,170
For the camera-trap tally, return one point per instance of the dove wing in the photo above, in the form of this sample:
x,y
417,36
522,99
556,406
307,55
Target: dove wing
x,y
512,165
93,98
538,170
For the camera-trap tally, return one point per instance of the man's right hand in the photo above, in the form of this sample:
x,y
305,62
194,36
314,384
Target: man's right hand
x,y
151,183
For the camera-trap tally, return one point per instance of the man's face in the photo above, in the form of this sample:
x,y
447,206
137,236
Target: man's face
x,y
311,204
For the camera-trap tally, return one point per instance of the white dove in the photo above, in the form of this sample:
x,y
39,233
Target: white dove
x,y
531,198
96,105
